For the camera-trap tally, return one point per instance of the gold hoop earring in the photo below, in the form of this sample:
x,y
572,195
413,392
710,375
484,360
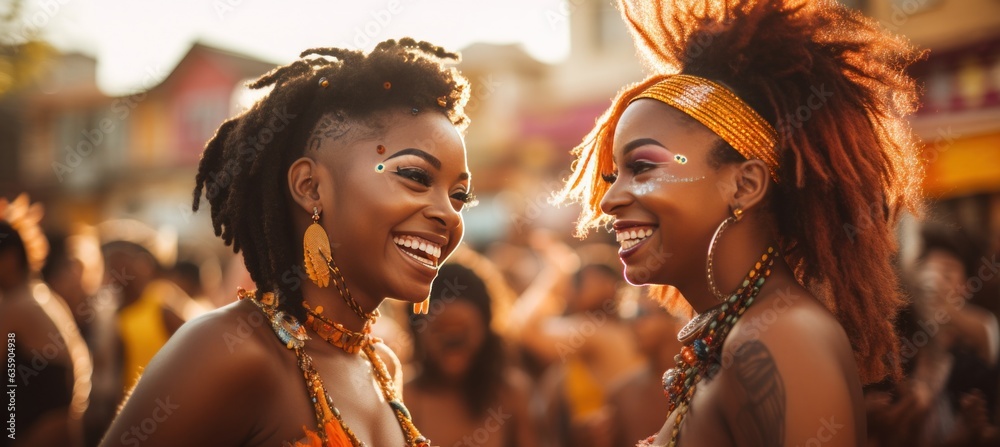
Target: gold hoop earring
x,y
736,217
316,252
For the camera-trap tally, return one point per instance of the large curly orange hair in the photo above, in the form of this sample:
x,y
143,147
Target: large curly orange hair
x,y
833,83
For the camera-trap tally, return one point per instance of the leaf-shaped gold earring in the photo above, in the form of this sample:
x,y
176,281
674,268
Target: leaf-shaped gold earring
x,y
316,252
422,307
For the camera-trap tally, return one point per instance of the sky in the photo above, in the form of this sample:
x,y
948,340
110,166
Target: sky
x,y
134,39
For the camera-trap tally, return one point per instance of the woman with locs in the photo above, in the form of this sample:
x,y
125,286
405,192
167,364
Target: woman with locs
x,y
343,186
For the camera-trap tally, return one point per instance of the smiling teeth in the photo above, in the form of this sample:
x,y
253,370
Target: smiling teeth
x,y
629,238
432,250
424,261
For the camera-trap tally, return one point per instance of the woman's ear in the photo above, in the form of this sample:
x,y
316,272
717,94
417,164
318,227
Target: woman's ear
x,y
303,182
753,180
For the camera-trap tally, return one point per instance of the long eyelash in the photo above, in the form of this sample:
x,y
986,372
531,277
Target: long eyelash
x,y
637,166
416,174
468,198
610,178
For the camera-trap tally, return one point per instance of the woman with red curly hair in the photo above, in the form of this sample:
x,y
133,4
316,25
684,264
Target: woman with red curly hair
x,y
760,172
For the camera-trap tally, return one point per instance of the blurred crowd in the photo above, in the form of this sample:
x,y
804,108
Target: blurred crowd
x,y
532,339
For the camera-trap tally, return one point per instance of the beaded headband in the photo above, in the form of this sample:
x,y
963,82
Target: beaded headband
x,y
722,112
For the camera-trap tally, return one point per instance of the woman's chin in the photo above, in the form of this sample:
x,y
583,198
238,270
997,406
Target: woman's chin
x,y
414,296
638,276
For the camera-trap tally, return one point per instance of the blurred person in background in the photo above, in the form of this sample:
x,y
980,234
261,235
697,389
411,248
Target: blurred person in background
x,y
147,314
187,275
342,186
64,272
234,277
637,405
568,317
465,391
74,270
790,309
950,348
52,373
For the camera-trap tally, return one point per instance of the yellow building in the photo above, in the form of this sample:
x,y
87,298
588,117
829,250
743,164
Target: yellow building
x,y
959,121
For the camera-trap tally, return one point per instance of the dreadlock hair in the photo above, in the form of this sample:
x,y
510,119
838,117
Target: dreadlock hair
x,y
244,166
848,167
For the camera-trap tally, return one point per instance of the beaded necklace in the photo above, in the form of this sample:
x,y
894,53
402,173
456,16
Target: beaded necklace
x,y
703,338
335,333
333,432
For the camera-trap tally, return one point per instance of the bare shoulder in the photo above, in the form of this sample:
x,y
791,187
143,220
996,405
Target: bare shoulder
x,y
789,368
791,319
219,367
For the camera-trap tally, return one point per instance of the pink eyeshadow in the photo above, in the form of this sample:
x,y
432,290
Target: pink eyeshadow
x,y
653,154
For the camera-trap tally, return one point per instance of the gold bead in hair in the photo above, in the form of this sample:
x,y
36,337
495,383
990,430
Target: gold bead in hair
x,y
323,82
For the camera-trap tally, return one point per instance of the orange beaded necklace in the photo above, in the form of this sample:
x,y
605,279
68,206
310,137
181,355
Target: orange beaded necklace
x,y
333,430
